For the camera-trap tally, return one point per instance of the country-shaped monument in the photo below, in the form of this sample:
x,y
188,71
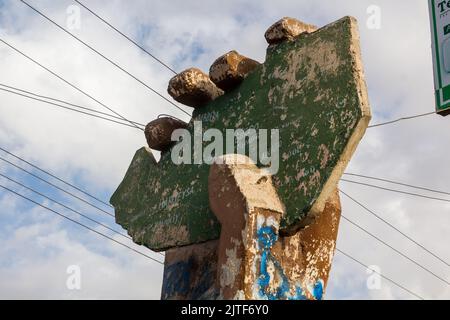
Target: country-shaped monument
x,y
310,88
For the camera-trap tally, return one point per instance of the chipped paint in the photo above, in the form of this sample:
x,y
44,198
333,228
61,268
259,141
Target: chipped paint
x,y
190,273
272,281
255,261
232,266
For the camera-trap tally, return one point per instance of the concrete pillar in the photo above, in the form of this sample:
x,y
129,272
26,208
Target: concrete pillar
x,y
252,260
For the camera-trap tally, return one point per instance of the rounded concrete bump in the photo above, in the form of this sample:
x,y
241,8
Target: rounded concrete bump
x,y
193,88
287,29
229,70
159,132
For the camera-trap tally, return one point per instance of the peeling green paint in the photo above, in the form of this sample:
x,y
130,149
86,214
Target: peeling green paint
x,y
311,89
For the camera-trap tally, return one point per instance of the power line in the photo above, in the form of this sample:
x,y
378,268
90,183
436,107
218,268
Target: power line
x,y
402,119
69,108
65,102
55,177
80,224
64,206
396,191
55,186
395,228
126,37
397,183
106,58
395,250
162,115
59,179
381,275
67,82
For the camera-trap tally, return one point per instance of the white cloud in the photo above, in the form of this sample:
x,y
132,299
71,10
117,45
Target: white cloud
x,y
36,256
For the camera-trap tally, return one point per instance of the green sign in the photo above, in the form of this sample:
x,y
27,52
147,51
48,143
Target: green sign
x,y
440,31
311,90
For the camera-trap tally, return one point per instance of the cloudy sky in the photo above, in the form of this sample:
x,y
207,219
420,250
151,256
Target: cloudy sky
x,y
37,247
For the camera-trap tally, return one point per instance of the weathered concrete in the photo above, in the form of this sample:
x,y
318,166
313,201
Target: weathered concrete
x,y
287,29
251,260
190,272
312,89
254,262
193,88
237,187
159,132
228,71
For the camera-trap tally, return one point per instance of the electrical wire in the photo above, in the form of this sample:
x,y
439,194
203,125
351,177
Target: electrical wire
x,y
381,275
104,57
71,109
56,187
126,37
66,82
395,250
396,191
55,177
80,224
397,183
395,228
402,119
61,180
64,206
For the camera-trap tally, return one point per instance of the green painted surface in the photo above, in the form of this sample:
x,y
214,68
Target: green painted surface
x,y
309,89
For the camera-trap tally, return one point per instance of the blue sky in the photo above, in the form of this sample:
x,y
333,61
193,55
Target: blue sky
x,y
94,154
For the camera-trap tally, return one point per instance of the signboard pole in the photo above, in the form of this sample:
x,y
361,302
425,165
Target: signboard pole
x,y
440,37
